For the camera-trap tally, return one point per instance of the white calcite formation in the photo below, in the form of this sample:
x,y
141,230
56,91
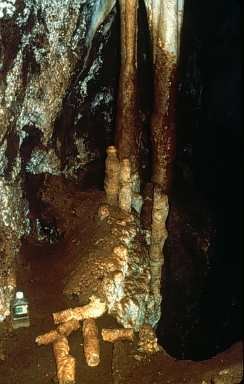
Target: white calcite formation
x,y
7,8
127,287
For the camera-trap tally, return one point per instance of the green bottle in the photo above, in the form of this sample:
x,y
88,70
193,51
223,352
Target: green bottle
x,y
20,311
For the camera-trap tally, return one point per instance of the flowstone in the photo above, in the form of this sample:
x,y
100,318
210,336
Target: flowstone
x,y
117,270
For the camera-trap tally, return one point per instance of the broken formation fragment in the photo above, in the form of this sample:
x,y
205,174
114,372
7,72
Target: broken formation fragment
x,y
47,338
91,342
64,361
113,335
148,342
64,329
94,309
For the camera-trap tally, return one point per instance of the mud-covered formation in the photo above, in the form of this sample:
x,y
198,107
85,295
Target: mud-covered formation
x,y
113,264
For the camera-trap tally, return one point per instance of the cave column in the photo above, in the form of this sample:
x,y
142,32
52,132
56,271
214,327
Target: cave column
x,y
165,19
163,24
127,131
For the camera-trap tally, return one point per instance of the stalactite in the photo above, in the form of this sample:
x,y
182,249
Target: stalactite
x,y
127,130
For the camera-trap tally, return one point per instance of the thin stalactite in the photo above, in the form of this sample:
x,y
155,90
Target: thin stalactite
x,y
127,128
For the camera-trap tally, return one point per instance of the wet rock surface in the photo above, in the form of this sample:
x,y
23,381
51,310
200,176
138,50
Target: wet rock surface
x,y
51,54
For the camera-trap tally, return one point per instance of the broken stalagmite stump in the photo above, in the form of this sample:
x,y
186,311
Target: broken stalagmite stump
x,y
113,335
111,183
91,342
125,187
64,329
64,361
94,309
147,340
158,236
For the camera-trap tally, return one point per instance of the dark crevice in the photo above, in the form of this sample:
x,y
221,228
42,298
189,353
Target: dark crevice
x,y
202,306
145,89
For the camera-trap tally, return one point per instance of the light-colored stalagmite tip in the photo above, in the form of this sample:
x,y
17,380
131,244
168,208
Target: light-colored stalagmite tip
x,y
111,149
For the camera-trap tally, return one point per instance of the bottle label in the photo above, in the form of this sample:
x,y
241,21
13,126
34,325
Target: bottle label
x,y
21,309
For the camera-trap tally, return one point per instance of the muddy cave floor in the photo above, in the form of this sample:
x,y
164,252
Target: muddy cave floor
x,y
41,274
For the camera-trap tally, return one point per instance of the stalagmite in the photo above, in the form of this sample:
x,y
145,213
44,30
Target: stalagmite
x,y
148,342
64,329
114,335
127,131
91,342
111,183
94,309
158,236
125,189
64,361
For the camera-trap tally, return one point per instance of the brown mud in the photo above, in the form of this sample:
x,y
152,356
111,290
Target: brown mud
x,y
42,269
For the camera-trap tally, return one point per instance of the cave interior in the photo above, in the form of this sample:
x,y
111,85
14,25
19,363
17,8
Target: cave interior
x,y
159,82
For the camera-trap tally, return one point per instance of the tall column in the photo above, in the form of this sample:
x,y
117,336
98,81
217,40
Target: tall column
x,y
163,24
165,19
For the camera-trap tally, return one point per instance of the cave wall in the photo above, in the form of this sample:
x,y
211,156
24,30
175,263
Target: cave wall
x,y
57,83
